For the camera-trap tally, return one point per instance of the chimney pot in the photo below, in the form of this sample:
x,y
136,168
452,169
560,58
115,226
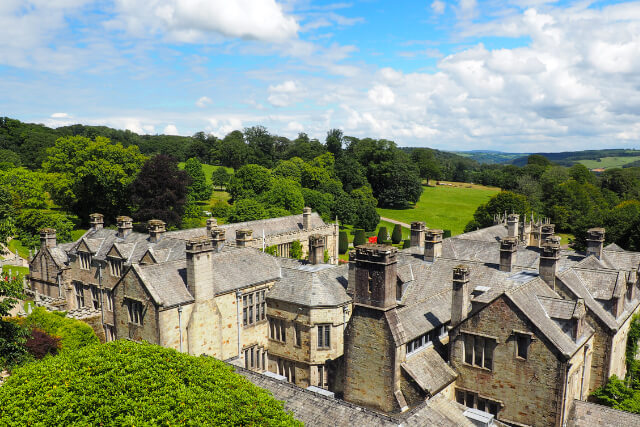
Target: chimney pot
x,y
549,257
156,228
125,226
460,296
218,237
243,237
306,218
97,221
48,238
432,244
508,247
316,249
595,242
512,225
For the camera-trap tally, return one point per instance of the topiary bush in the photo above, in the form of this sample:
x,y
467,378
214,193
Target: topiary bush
x,y
406,244
125,383
446,234
382,234
396,235
73,333
360,238
343,242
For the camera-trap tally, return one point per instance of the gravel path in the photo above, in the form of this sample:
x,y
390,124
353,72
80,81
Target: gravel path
x,y
393,221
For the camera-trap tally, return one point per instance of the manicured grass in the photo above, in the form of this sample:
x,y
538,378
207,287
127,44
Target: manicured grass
x,y
350,234
17,244
15,269
76,234
609,162
565,239
444,207
208,170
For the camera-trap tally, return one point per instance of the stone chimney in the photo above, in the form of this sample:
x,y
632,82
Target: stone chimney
x,y
351,275
549,257
211,224
125,226
199,253
546,231
48,238
218,237
432,244
316,249
460,298
306,218
526,233
619,294
578,319
508,247
97,221
417,234
595,242
243,237
512,225
376,276
156,229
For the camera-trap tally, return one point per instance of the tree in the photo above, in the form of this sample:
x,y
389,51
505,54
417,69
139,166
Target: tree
x,y
427,164
12,335
334,141
199,189
383,234
7,215
247,210
359,238
29,222
350,172
285,194
249,181
233,151
220,177
365,215
395,183
94,175
153,386
261,145
320,202
160,191
343,242
396,236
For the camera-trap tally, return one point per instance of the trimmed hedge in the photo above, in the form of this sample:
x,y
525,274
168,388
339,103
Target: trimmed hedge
x,y
123,383
73,333
343,242
396,235
406,244
360,238
382,234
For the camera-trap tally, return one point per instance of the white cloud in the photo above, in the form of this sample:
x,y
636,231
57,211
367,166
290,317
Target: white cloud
x,y
197,20
60,116
203,101
170,130
438,7
382,95
295,127
284,94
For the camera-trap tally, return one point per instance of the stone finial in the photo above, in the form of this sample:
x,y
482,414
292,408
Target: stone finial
x,y
97,221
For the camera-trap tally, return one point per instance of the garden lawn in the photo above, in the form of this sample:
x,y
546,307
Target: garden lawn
x,y
208,170
17,244
444,207
15,269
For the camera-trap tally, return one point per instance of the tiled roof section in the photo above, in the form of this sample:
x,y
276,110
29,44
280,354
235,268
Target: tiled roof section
x,y
600,283
527,298
311,289
621,260
489,234
271,226
426,315
613,247
405,273
438,411
59,256
429,371
237,268
591,262
314,409
558,308
396,327
167,282
586,414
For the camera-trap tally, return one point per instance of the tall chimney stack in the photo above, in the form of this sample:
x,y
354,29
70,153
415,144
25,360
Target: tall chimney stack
x,y
417,234
316,249
508,247
306,218
211,224
512,225
48,237
432,244
125,226
200,268
243,237
595,242
218,237
156,229
549,257
460,301
97,221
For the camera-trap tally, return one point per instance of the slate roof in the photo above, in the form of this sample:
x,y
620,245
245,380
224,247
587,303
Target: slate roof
x,y
271,226
528,296
167,282
488,234
429,371
311,288
586,414
237,268
316,410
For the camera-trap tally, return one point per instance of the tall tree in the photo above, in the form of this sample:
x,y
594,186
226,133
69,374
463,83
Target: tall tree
x,y
334,141
160,190
427,164
93,175
220,177
199,188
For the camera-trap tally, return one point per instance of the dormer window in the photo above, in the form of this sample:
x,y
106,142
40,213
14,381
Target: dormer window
x,y
115,267
85,260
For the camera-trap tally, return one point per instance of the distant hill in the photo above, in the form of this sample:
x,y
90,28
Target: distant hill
x,y
490,156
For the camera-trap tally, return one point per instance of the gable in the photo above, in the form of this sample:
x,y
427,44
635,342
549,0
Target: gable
x,y
148,258
114,252
83,247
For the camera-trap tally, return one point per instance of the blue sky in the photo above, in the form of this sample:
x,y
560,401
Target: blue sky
x,y
520,76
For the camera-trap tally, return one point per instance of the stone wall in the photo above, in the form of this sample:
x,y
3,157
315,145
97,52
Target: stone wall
x,y
131,288
169,330
528,389
303,236
370,366
617,362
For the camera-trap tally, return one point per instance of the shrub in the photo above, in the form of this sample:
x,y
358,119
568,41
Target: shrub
x,y
343,242
220,209
126,383
296,250
73,333
446,234
326,256
396,236
360,238
40,343
406,244
382,234
271,250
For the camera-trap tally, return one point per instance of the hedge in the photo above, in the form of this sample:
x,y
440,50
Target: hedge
x,y
396,235
382,234
123,383
360,238
343,242
73,333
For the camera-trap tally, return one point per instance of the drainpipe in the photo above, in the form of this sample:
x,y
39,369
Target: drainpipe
x,y
59,285
564,391
180,325
584,368
101,300
239,316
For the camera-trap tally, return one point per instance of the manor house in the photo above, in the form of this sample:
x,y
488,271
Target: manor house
x,y
500,324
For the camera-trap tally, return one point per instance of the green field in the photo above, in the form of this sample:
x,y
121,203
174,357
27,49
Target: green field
x,y
17,244
208,170
444,207
609,162
14,269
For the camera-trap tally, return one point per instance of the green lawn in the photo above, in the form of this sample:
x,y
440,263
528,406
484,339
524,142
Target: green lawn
x,y
444,207
14,269
208,170
17,244
76,234
609,162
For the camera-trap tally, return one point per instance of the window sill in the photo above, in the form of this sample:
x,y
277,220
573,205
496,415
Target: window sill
x,y
254,324
478,367
135,324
